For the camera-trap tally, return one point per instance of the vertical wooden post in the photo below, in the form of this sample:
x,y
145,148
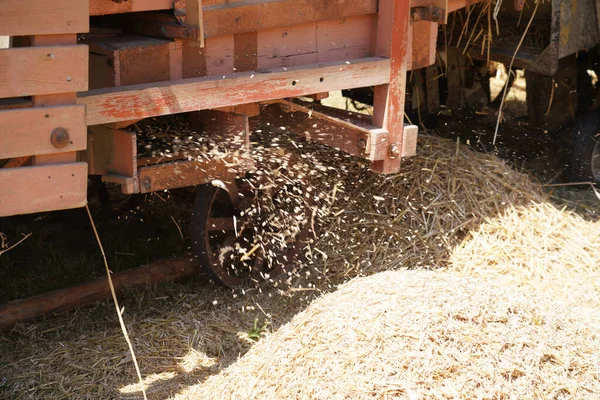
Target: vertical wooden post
x,y
388,107
193,11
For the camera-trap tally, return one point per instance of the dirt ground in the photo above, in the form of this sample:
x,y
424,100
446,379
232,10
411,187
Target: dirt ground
x,y
204,327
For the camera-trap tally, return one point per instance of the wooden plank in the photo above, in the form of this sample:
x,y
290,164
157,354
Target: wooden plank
x,y
346,39
26,132
106,7
43,70
143,101
284,47
388,109
111,151
42,188
346,133
219,55
189,173
251,16
245,51
424,44
34,17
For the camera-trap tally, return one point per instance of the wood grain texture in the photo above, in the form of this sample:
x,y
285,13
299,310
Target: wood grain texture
x,y
285,47
244,16
26,132
347,38
105,7
143,101
34,17
42,188
43,70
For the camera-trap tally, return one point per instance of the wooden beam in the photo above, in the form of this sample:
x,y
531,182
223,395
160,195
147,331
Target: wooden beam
x,y
143,101
42,188
63,300
189,173
193,13
106,7
388,107
27,132
251,16
34,17
43,70
112,152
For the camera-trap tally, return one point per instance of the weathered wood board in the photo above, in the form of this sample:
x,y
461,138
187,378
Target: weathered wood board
x,y
28,131
35,17
43,70
143,101
42,188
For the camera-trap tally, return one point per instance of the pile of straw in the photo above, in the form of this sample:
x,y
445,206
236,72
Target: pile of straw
x,y
419,334
540,247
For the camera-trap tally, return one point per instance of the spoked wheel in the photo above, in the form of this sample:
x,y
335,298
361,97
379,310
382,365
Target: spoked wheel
x,y
250,232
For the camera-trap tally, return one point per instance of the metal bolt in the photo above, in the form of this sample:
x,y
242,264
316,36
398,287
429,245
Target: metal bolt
x,y
69,78
51,55
435,15
59,138
394,151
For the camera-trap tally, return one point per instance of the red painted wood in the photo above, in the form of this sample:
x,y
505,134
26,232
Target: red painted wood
x,y
151,100
388,112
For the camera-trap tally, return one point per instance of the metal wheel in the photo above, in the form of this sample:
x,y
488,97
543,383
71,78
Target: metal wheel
x,y
248,232
584,160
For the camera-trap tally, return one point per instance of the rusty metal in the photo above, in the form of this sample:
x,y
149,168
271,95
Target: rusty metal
x,y
60,138
433,14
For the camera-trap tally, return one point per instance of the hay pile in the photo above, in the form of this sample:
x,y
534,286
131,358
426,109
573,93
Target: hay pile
x,y
419,334
541,247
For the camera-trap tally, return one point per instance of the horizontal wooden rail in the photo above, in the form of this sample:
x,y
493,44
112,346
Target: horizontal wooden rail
x,y
155,99
44,188
42,130
43,17
27,71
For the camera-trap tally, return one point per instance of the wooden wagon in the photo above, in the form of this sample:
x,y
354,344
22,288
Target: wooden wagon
x,y
78,73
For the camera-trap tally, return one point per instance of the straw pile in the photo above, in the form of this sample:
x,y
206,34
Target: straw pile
x,y
419,334
540,247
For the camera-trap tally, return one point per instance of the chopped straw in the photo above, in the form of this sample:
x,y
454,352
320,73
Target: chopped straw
x,y
419,334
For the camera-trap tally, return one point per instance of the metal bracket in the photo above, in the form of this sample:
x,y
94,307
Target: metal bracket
x,y
179,11
433,14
